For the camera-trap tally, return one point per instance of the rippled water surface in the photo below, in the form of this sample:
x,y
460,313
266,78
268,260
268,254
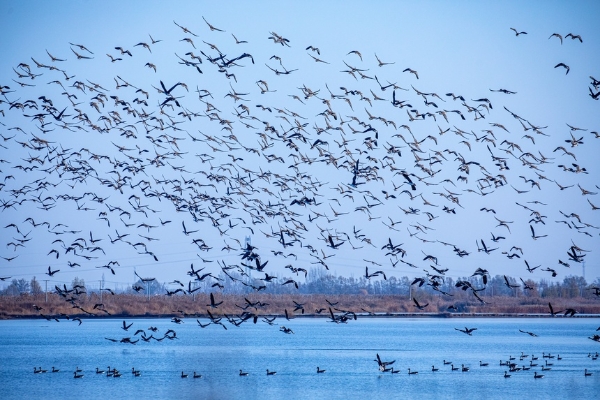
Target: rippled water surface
x,y
347,352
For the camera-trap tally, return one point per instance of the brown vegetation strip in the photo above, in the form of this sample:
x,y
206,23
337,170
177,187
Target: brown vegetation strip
x,y
126,305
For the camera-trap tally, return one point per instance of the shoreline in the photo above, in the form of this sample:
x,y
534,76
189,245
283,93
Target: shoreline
x,y
400,315
55,307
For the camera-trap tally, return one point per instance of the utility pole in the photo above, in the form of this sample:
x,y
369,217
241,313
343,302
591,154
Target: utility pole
x,y
101,287
46,291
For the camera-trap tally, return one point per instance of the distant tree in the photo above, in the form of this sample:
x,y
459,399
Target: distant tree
x,y
35,286
552,290
498,286
573,286
23,286
17,287
10,290
542,286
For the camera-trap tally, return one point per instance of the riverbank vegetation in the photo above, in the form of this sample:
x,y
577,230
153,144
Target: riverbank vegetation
x,y
499,295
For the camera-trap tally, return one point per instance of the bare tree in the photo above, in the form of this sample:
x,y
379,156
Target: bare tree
x,y
35,286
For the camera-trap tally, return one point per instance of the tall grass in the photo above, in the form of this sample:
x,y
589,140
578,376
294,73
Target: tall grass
x,y
118,305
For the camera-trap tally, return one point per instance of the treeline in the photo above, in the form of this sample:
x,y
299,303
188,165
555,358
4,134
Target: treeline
x,y
318,281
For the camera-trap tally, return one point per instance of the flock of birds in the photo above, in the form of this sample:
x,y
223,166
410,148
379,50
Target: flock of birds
x,y
317,173
341,316
528,362
513,366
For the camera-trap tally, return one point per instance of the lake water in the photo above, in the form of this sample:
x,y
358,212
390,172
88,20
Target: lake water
x,y
346,351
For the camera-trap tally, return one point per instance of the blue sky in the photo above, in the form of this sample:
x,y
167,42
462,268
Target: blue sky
x,y
465,48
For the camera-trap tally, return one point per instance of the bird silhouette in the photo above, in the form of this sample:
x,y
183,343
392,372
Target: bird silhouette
x,y
559,36
419,306
565,66
517,33
574,37
214,304
552,312
468,331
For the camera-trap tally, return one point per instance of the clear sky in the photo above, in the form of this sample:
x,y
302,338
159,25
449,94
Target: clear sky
x,y
290,124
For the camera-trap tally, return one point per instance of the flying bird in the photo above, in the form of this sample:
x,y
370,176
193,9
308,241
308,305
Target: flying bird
x,y
238,41
508,284
184,29
533,235
574,37
80,56
558,36
529,333
552,312
212,28
381,63
565,66
517,33
419,306
412,71
356,52
468,331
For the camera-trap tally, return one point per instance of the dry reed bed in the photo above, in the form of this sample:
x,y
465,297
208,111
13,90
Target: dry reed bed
x,y
126,305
